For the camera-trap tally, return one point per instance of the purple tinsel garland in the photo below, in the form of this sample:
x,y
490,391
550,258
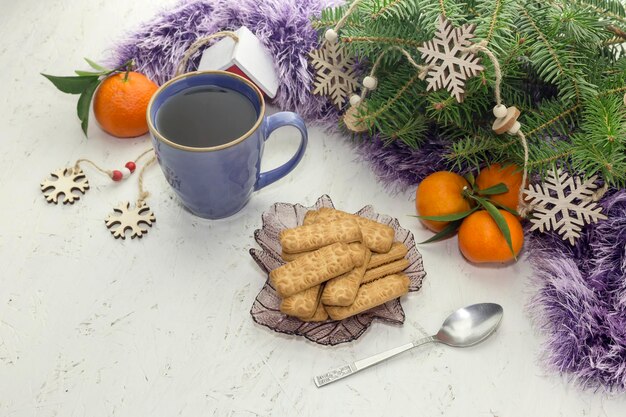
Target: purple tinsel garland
x,y
581,299
282,25
581,291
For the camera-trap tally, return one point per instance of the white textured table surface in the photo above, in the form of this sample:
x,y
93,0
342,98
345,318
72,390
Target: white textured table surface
x,y
91,326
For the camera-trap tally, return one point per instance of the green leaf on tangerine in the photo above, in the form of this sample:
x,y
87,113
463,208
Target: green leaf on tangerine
x,y
71,85
496,189
89,73
500,221
449,230
449,217
84,104
505,208
96,66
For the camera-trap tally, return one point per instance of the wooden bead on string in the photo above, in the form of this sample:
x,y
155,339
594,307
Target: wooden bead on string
x,y
504,124
370,82
499,111
355,99
352,120
331,35
515,128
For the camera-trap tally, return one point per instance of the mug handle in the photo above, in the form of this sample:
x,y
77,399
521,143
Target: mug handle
x,y
272,123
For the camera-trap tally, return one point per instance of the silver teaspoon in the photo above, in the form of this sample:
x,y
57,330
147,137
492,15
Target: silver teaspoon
x,y
465,327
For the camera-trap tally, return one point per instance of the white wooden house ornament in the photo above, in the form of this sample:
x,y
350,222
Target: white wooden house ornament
x,y
247,57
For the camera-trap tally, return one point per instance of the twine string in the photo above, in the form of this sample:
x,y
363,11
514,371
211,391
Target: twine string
x,y
598,194
482,47
423,69
144,153
143,194
106,172
523,207
346,15
199,43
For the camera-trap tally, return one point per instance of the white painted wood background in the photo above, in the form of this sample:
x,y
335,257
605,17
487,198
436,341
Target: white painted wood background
x,y
91,326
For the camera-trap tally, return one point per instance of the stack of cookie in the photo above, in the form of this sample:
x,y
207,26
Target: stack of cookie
x,y
338,265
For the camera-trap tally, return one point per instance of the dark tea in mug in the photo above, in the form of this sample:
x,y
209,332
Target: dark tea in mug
x,y
205,116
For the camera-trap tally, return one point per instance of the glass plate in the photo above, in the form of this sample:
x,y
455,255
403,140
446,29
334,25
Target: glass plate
x,y
265,310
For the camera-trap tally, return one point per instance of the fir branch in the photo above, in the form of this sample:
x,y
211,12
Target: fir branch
x,y
324,24
612,91
476,149
377,39
617,32
494,19
600,146
544,69
548,160
551,122
368,118
385,9
442,7
609,9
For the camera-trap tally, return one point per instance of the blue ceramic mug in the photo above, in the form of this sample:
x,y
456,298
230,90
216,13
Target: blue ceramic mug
x,y
216,182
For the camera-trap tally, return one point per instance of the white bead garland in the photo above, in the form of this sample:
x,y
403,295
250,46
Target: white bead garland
x,y
125,172
500,111
355,99
331,35
370,82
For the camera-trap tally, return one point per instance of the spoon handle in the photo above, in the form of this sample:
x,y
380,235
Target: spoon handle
x,y
350,369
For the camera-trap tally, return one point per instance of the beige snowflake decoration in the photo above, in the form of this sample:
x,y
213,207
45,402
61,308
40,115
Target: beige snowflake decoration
x,y
64,182
126,218
451,64
563,204
334,72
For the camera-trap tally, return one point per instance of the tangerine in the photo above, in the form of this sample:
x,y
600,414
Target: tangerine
x,y
510,175
481,241
121,102
439,194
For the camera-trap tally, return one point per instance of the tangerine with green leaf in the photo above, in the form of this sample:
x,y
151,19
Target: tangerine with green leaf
x,y
481,241
509,175
440,194
121,102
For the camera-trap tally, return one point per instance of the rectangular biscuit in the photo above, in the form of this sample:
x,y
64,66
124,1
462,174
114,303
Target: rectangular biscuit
x,y
398,250
371,295
312,269
357,250
310,216
384,270
341,291
320,314
303,304
377,237
317,235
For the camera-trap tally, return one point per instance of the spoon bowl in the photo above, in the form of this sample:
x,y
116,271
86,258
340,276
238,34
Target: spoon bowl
x,y
470,325
465,327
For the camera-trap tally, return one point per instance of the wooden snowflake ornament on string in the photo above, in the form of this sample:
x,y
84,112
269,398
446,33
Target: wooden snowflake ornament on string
x,y
63,183
451,63
127,218
334,72
563,204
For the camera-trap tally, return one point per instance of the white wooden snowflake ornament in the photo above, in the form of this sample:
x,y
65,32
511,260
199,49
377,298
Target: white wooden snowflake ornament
x,y
126,218
334,72
64,182
451,63
563,204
